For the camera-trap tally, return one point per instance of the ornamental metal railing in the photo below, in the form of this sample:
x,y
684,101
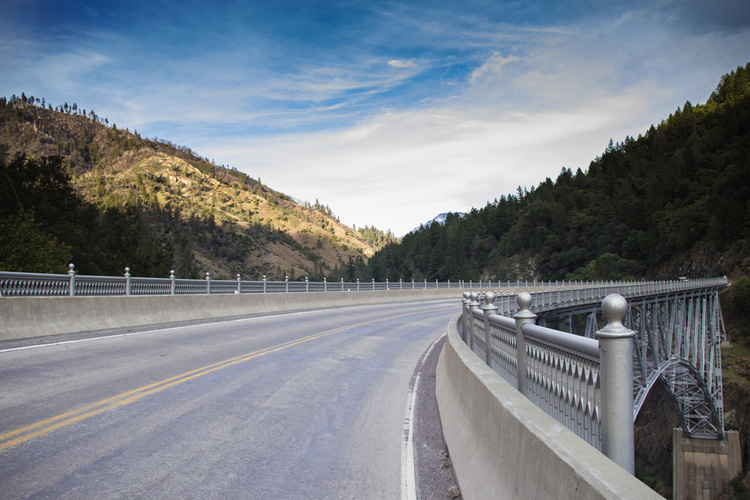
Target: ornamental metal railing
x,y
585,383
16,284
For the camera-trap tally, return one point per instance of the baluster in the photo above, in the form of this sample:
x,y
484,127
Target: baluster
x,y
522,317
489,308
72,284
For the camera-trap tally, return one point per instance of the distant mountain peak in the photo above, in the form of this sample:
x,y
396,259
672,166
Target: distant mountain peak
x,y
440,219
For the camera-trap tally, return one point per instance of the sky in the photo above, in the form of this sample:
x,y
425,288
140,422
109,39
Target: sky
x,y
389,112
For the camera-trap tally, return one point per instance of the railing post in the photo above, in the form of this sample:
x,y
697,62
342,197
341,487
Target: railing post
x,y
286,283
387,286
522,317
373,284
325,284
616,372
307,285
465,316
342,284
400,284
172,283
264,283
473,304
208,283
127,281
489,308
72,284
412,283
425,284
239,283
357,284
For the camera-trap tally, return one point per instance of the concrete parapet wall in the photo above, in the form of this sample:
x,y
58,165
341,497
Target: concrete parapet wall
x,y
503,446
26,317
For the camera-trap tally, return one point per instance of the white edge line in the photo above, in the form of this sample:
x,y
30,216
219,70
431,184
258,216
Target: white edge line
x,y
408,479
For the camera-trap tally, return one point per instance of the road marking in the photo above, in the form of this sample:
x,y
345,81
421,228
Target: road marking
x,y
46,426
408,478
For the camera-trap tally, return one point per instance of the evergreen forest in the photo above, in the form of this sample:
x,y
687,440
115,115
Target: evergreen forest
x,y
674,202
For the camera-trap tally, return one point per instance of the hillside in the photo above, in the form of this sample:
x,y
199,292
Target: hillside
x,y
212,218
673,202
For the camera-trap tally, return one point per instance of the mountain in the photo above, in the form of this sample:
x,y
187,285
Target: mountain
x,y
673,202
440,219
206,217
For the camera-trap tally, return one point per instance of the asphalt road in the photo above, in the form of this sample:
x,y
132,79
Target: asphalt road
x,y
295,406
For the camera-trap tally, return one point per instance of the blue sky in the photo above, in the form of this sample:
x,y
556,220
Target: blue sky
x,y
389,112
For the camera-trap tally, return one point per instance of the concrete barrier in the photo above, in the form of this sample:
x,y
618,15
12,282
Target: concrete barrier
x,y
27,317
503,446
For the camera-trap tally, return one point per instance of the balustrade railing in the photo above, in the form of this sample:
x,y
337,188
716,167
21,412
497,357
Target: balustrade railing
x,y
546,293
584,383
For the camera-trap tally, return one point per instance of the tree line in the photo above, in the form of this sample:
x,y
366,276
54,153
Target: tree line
x,y
673,201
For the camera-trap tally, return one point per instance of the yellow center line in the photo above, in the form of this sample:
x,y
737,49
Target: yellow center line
x,y
46,426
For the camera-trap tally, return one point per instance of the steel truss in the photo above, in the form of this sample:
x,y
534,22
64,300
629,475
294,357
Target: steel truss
x,y
678,341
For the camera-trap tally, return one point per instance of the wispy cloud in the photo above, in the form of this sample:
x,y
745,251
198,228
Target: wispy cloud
x,y
389,113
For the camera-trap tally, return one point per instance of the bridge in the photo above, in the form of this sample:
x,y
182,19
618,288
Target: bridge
x,y
595,383
564,373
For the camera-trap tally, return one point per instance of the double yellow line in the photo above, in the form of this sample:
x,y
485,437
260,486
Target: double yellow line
x,y
43,427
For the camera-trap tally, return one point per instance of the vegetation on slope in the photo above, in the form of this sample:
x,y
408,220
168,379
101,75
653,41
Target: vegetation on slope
x,y
673,202
201,216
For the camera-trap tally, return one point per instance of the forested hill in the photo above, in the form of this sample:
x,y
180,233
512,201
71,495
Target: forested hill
x,y
673,202
75,188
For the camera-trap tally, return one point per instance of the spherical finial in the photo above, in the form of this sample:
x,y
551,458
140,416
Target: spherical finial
x,y
614,308
523,300
489,302
467,295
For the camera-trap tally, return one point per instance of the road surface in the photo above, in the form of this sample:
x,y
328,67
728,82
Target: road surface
x,y
293,406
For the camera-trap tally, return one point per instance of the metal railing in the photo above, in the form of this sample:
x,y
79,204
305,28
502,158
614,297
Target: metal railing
x,y
15,284
584,383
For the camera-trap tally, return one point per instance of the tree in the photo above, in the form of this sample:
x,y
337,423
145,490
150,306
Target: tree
x,y
26,247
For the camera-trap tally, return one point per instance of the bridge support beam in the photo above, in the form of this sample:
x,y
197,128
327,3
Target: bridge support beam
x,y
702,468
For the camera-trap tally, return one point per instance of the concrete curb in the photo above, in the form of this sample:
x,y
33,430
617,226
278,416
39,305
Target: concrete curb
x,y
503,446
30,317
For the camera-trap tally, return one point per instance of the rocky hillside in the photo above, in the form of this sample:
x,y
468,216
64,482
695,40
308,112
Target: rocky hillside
x,y
216,219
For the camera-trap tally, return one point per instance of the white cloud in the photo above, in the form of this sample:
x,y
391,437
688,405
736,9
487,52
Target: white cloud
x,y
402,63
470,109
524,114
492,68
402,168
